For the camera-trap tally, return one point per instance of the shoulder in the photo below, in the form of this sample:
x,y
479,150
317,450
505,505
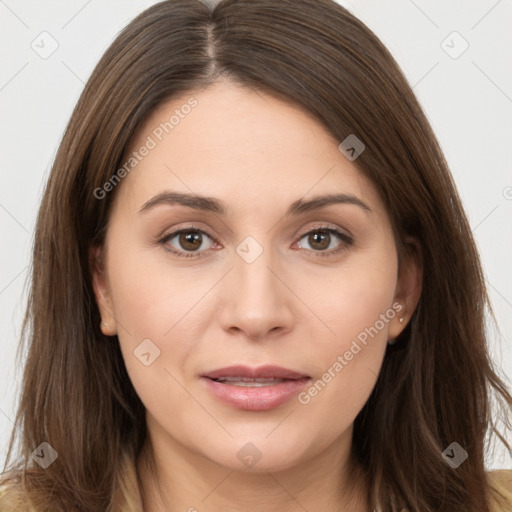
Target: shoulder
x,y
501,480
5,496
11,496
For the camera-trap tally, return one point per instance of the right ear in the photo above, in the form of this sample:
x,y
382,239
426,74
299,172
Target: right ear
x,y
102,291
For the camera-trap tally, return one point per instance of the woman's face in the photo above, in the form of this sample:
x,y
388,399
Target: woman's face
x,y
256,278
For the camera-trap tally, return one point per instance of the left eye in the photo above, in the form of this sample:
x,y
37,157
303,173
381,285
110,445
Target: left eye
x,y
320,239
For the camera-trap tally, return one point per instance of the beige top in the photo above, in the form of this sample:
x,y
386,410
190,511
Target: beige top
x,y
500,479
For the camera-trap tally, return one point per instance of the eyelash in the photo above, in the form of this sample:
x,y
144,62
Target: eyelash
x,y
346,239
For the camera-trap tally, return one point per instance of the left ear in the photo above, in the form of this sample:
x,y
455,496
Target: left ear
x,y
409,285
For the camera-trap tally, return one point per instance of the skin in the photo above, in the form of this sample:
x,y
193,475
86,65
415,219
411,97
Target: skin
x,y
291,307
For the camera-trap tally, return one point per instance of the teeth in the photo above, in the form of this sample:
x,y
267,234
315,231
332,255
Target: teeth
x,y
253,384
248,379
248,382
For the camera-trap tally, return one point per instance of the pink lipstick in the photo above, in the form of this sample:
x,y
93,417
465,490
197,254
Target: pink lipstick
x,y
255,389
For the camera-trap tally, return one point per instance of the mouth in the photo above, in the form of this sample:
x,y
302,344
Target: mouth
x,y
254,389
250,383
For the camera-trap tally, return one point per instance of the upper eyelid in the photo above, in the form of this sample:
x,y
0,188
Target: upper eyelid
x,y
171,234
324,226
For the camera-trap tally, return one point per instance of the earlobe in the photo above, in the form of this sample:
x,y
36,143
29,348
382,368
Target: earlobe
x,y
101,291
409,286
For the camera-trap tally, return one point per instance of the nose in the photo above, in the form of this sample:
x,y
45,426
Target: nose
x,y
256,300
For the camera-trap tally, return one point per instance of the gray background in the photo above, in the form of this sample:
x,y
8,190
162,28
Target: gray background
x,y
467,98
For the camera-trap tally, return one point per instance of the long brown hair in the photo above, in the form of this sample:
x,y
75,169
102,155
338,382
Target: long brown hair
x,y
437,382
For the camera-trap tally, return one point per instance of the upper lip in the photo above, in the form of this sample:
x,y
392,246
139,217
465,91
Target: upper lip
x,y
261,372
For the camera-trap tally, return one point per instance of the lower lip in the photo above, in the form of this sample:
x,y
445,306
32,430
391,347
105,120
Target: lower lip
x,y
262,398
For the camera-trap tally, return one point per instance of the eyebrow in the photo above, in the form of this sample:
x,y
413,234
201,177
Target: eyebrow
x,y
213,205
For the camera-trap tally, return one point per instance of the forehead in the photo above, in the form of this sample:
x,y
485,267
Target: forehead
x,y
233,142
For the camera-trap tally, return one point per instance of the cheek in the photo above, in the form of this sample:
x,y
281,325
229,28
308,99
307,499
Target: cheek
x,y
156,322
355,307
152,296
350,299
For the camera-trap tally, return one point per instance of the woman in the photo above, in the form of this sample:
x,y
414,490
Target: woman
x,y
254,286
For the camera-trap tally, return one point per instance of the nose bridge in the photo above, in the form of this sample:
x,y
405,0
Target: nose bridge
x,y
258,301
253,262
